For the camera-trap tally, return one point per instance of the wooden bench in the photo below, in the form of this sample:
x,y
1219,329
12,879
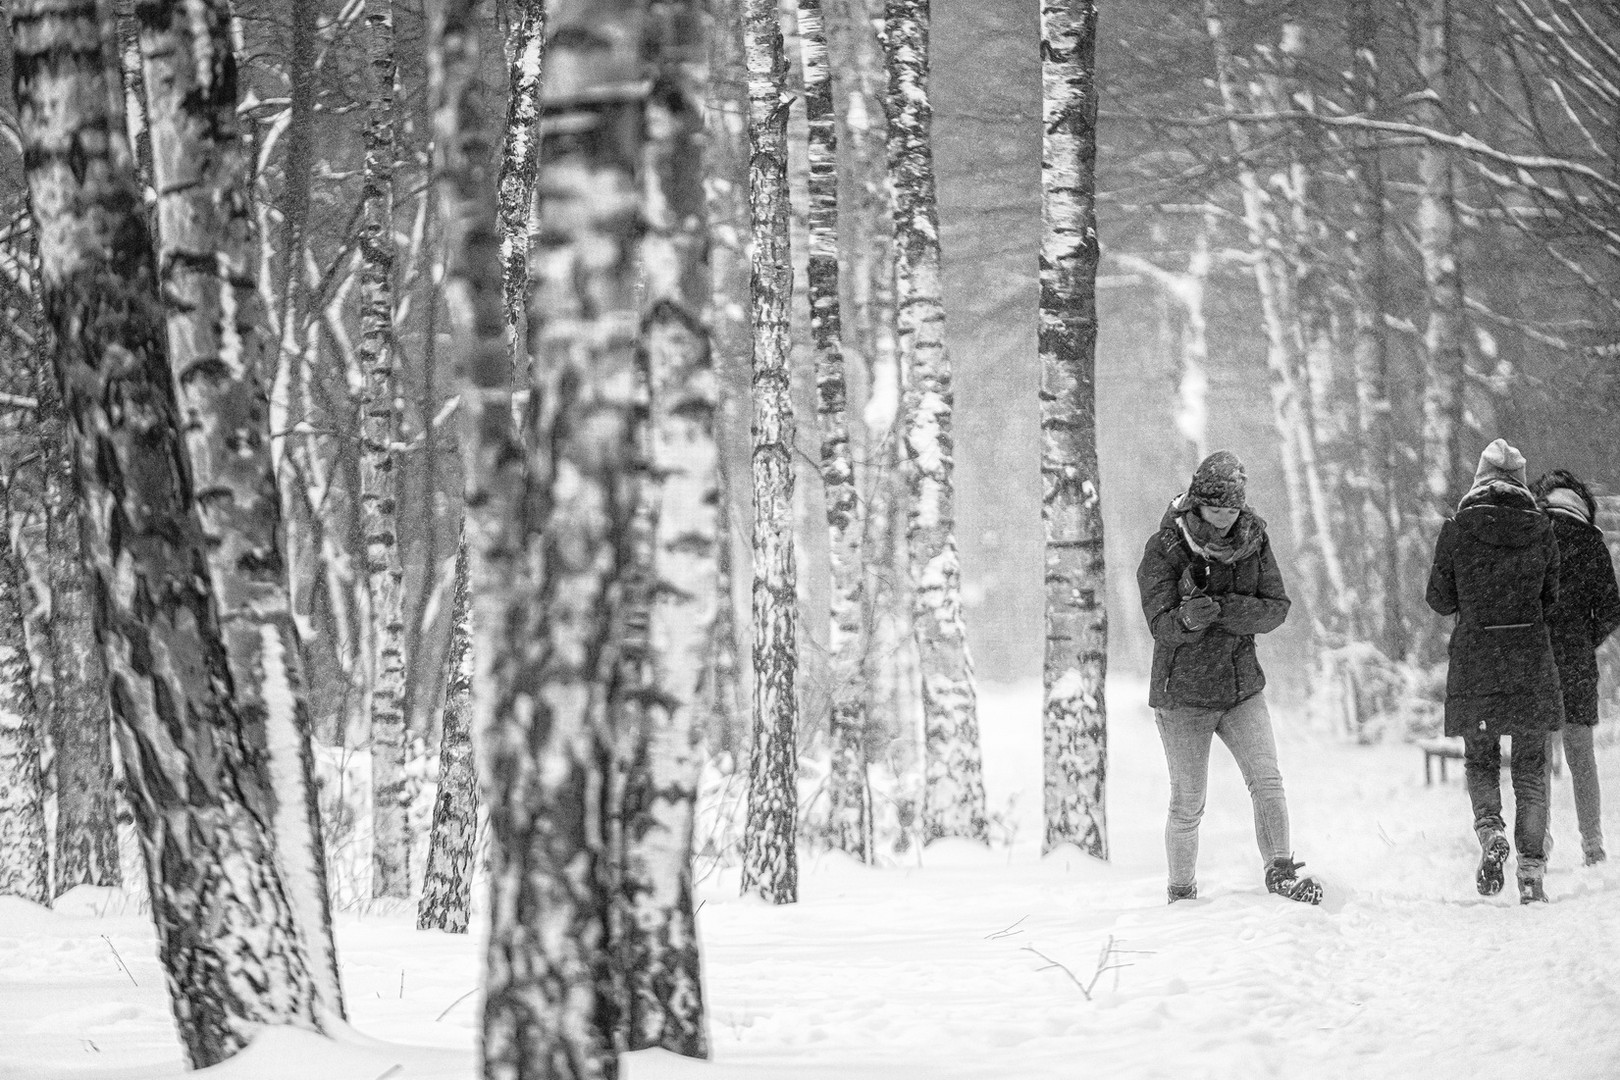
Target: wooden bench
x,y
1445,749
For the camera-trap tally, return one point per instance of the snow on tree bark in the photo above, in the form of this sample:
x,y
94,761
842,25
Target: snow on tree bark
x,y
379,473
953,793
658,951
1447,468
219,346
24,855
770,859
544,653
849,792
1074,727
520,158
446,902
194,777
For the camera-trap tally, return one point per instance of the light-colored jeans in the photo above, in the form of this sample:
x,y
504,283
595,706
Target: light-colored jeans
x,y
1245,728
1583,775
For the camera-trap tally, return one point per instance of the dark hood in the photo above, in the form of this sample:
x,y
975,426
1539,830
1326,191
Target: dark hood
x,y
1501,515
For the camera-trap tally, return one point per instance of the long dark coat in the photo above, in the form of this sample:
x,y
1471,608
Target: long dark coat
x,y
1215,667
1496,569
1586,613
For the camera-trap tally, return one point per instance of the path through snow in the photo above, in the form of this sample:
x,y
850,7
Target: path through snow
x,y
928,970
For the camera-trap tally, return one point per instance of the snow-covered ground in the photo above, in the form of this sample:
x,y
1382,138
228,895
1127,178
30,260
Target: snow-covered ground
x,y
931,970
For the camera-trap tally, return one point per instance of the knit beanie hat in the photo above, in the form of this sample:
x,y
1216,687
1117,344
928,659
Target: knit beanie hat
x,y
1501,462
1219,481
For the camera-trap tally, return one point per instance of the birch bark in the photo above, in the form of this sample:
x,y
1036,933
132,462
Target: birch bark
x,y
1074,727
953,794
194,775
544,653
379,468
658,951
770,861
73,677
520,157
25,861
219,347
850,793
446,902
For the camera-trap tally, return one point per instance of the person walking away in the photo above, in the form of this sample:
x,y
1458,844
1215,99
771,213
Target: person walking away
x,y
1209,584
1496,569
1586,612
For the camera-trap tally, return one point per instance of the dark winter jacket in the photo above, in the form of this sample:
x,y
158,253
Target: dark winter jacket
x,y
1215,667
1496,569
1586,613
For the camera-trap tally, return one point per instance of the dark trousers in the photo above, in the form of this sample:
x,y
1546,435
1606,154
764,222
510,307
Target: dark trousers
x,y
1482,762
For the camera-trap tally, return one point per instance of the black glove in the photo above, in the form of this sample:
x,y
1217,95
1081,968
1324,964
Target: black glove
x,y
1198,612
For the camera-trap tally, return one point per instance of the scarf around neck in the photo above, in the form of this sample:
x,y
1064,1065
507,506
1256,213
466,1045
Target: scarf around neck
x,y
1241,540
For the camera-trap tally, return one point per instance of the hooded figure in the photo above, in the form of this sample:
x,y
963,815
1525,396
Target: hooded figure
x,y
1496,568
1586,613
1209,584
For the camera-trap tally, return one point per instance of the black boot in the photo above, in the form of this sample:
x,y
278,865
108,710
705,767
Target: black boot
x,y
1282,878
1488,878
1183,892
1531,892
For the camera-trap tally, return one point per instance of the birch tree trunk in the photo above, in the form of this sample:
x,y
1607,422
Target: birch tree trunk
x,y
446,902
544,652
219,346
731,337
850,794
1380,458
770,860
520,158
379,472
1447,468
194,776
953,794
129,62
659,954
74,676
25,862
1075,716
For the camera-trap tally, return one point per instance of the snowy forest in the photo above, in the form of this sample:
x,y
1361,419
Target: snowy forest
x,y
594,538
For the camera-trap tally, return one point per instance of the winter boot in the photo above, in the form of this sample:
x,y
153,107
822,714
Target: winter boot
x,y
1531,892
1595,856
1495,852
1282,878
1183,892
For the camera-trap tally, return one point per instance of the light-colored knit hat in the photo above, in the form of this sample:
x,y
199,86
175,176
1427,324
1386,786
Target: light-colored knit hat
x,y
1501,462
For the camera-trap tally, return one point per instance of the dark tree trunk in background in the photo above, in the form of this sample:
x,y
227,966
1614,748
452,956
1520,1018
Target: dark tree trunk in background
x,y
1075,720
195,779
1381,492
1448,467
770,857
446,902
953,793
